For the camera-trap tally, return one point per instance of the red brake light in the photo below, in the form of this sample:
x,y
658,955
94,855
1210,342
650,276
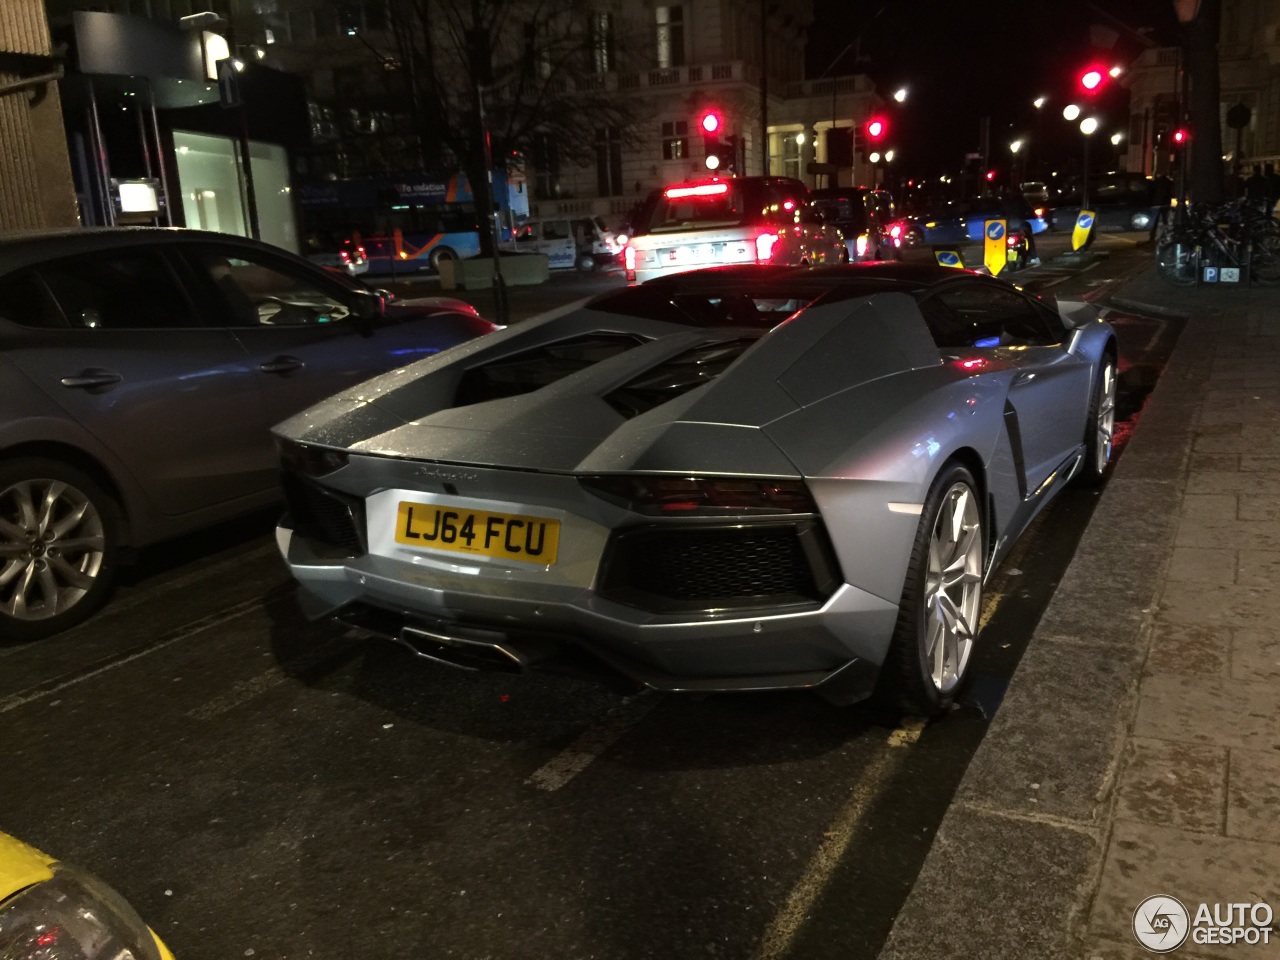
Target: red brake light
x,y
346,257
655,495
861,244
1013,239
360,250
1040,211
895,231
765,243
629,257
699,190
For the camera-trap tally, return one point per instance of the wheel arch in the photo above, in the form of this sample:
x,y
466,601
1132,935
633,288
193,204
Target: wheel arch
x,y
85,462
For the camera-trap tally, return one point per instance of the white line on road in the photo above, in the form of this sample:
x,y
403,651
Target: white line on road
x,y
33,694
779,935
576,757
246,690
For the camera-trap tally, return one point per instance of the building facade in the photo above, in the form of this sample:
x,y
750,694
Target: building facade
x,y
1249,73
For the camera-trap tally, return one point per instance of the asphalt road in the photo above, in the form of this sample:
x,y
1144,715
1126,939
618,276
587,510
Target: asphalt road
x,y
263,787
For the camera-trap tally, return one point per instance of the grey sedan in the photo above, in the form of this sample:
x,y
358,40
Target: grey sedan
x,y
140,371
735,479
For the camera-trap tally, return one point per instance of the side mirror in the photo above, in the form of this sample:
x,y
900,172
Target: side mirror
x,y
368,309
1077,313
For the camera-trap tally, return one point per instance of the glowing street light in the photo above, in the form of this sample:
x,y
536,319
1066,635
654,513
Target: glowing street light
x,y
1015,146
874,158
1116,71
1088,125
888,156
1039,102
1070,112
900,94
1117,139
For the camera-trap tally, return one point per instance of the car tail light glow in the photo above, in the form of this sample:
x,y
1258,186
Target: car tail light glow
x,y
698,190
765,243
1040,211
694,496
1013,239
895,231
861,245
629,257
346,257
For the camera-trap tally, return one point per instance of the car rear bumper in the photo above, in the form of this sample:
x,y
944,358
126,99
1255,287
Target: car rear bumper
x,y
472,622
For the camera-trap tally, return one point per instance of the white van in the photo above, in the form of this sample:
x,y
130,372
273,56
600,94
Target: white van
x,y
581,242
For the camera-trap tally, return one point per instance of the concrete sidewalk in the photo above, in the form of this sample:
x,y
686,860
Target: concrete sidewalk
x,y
1137,752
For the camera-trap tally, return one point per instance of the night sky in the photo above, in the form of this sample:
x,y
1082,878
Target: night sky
x,y
964,60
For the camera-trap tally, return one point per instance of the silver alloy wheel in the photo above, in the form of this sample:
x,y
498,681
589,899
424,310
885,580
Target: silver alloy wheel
x,y
953,587
1106,420
52,546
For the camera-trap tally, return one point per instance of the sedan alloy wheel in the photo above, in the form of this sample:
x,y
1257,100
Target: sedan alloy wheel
x,y
56,548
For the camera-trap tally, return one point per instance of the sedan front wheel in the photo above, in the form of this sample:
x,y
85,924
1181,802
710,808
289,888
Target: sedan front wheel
x,y
59,535
933,641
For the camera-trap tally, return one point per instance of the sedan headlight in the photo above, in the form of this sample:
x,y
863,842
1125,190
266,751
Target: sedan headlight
x,y
73,916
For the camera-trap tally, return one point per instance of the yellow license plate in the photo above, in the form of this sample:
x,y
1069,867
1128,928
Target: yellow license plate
x,y
507,536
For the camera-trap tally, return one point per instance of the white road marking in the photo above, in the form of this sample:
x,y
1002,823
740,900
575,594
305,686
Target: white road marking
x,y
576,757
244,691
780,933
196,627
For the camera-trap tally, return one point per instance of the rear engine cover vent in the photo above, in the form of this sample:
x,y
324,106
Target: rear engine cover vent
x,y
676,376
539,366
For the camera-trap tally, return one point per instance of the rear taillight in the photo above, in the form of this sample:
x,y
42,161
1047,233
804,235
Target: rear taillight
x,y
346,257
629,258
360,252
765,243
1040,211
895,231
861,245
1013,239
702,496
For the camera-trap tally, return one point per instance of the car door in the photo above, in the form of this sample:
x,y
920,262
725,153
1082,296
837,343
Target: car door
x,y
1050,390
122,351
557,243
298,328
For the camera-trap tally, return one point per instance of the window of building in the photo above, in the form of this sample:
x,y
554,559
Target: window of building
x,y
546,158
608,162
375,14
326,22
670,24
790,156
601,37
675,140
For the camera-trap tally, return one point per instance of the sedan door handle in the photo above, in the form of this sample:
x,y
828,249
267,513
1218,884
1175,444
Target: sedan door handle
x,y
283,364
88,379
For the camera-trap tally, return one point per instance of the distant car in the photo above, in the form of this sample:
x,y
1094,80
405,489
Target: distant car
x,y
769,220
742,478
50,910
962,222
862,215
1119,202
567,242
140,370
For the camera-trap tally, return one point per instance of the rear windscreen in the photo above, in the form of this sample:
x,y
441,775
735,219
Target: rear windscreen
x,y
727,203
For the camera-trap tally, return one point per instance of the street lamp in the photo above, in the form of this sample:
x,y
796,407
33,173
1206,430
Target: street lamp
x,y
900,94
1070,112
1039,102
1015,146
1089,125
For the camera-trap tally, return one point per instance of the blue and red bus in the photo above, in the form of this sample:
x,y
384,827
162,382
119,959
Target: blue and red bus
x,y
408,224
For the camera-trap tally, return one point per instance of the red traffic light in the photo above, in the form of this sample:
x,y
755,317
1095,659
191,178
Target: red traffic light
x,y
1092,79
710,121
876,128
991,175
1180,136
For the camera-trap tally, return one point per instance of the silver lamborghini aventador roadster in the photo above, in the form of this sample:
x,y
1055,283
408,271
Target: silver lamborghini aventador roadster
x,y
743,478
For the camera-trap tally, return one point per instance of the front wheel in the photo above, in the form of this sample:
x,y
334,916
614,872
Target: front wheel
x,y
937,625
59,535
1100,428
586,262
1177,259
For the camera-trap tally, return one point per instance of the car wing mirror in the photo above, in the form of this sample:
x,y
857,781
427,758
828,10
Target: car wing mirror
x,y
368,309
1077,313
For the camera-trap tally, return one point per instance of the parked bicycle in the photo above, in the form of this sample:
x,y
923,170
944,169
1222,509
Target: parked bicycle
x,y
1233,235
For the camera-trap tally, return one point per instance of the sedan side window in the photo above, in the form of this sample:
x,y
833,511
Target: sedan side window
x,y
23,300
259,293
119,290
988,316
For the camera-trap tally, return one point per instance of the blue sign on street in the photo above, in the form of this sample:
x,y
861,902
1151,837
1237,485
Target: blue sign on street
x,y
1085,221
1210,274
995,230
949,258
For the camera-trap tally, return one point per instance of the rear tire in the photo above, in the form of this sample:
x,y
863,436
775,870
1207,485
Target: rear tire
x,y
1099,431
1177,259
932,644
59,540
